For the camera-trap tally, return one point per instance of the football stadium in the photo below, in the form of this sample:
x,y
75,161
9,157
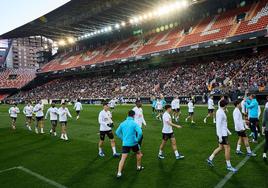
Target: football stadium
x,y
134,93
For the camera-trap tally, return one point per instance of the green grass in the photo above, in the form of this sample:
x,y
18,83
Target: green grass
x,y
75,163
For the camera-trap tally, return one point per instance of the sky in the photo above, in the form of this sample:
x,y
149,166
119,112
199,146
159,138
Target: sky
x,y
15,13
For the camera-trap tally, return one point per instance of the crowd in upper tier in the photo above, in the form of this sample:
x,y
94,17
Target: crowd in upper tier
x,y
218,76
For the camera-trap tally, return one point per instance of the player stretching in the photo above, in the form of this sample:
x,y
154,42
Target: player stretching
x,y
210,110
190,111
106,124
265,132
175,105
63,117
39,115
139,118
167,133
129,132
241,130
13,113
78,107
52,112
222,133
28,112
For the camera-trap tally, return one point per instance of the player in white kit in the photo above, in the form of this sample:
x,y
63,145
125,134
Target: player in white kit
x,y
175,105
52,112
28,112
190,111
211,109
78,107
63,118
13,113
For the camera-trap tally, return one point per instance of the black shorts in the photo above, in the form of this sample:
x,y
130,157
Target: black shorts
x,y
127,149
63,123
224,140
77,112
29,117
191,113
39,118
112,108
108,133
167,136
13,119
241,133
54,122
176,110
210,111
253,121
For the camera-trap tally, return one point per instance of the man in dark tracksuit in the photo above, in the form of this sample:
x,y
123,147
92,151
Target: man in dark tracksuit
x,y
265,132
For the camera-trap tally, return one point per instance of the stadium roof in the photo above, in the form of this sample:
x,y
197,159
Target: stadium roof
x,y
81,16
78,17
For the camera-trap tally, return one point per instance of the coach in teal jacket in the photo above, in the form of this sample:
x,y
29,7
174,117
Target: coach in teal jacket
x,y
253,106
129,131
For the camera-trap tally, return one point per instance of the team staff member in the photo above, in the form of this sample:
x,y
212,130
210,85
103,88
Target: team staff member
x,y
241,130
52,112
28,112
222,133
13,113
63,118
106,124
39,115
139,118
253,113
167,133
130,133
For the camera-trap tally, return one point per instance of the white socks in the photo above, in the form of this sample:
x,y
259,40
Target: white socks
x,y
211,157
176,153
248,149
228,163
238,147
114,150
100,150
160,152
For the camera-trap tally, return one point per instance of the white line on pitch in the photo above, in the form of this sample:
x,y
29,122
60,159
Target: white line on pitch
x,y
9,169
43,178
240,165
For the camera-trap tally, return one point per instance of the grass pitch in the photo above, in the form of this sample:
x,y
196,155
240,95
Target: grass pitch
x,y
75,163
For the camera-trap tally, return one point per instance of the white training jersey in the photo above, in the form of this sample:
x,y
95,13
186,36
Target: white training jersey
x,y
105,118
167,128
13,112
158,105
190,106
238,120
78,106
221,123
139,118
53,114
243,107
112,103
28,111
63,114
175,104
38,109
210,104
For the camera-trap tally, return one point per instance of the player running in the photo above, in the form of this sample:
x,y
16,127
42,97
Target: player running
x,y
39,115
241,130
28,112
175,105
106,124
64,113
52,112
78,107
153,105
167,133
222,133
139,118
112,104
129,132
210,110
190,111
159,109
13,113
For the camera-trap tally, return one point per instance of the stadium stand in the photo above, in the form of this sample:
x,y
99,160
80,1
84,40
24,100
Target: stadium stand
x,y
216,77
16,78
216,27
